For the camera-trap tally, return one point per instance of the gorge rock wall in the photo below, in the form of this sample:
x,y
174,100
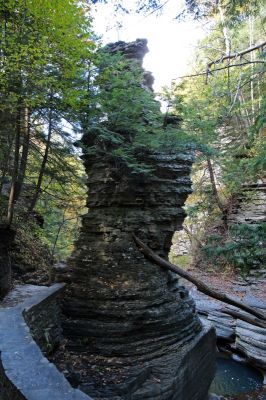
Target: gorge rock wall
x,y
250,207
124,312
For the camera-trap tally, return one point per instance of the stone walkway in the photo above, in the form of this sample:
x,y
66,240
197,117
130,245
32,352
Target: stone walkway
x,y
24,372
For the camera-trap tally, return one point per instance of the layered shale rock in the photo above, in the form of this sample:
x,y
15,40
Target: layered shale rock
x,y
250,207
242,337
134,51
133,320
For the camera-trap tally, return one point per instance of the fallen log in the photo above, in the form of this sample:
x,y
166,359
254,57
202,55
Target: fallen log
x,y
247,318
202,287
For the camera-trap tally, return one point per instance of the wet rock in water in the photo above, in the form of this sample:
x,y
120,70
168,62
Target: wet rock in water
x,y
120,308
215,397
251,340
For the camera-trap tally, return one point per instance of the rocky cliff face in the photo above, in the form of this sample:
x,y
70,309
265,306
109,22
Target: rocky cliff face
x,y
122,310
250,207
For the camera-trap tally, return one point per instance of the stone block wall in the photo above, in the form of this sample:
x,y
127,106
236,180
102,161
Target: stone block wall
x,y
43,319
7,390
25,373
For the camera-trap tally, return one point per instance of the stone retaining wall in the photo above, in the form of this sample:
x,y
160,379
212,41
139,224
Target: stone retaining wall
x,y
43,319
25,373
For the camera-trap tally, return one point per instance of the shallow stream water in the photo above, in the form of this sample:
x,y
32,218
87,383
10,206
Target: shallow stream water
x,y
237,381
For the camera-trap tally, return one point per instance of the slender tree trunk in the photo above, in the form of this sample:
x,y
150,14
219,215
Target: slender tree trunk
x,y
25,131
43,165
227,40
165,117
216,194
57,236
246,116
192,236
251,43
11,200
7,235
2,181
6,164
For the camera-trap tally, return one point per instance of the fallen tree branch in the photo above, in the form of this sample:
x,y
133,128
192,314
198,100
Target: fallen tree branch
x,y
236,55
247,318
209,72
202,287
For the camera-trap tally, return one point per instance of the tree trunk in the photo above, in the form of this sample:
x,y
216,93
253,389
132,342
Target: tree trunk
x,y
6,239
247,318
192,236
202,287
43,165
11,200
25,131
216,194
5,164
251,43
227,40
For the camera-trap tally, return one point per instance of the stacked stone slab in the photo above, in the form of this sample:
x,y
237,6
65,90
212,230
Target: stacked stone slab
x,y
122,308
242,337
250,205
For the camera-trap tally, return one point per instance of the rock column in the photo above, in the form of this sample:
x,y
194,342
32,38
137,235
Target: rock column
x,y
125,313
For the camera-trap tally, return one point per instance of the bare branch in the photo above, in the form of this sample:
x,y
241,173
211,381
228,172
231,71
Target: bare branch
x,y
236,55
207,72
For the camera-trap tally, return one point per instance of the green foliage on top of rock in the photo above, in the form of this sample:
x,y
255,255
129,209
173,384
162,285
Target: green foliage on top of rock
x,y
123,117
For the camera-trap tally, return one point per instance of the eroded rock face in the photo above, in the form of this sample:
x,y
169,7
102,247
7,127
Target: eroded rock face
x,y
124,294
134,51
247,339
122,309
250,207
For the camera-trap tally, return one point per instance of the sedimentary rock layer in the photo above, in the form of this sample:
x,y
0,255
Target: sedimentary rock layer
x,y
118,299
246,339
250,206
119,304
120,307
